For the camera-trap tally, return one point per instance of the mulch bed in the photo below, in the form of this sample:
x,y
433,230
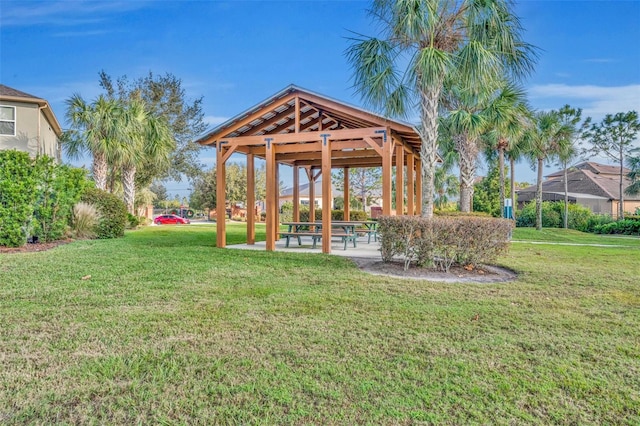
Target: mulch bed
x,y
29,248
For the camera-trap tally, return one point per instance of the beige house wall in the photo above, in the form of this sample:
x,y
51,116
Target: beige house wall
x,y
34,133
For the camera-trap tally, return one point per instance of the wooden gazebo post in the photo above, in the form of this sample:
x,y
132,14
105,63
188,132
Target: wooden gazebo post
x,y
221,198
399,179
411,163
251,200
345,195
326,194
270,157
387,153
296,194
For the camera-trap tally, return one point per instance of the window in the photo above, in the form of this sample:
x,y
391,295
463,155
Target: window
x,y
7,120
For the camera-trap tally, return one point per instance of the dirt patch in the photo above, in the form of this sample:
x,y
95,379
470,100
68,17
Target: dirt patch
x,y
28,248
456,274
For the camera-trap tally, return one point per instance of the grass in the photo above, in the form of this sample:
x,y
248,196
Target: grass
x,y
171,330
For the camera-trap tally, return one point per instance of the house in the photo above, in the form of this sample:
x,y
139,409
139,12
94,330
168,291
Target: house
x,y
592,185
27,123
286,195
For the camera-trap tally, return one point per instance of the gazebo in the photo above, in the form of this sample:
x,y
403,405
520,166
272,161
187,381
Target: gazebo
x,y
303,129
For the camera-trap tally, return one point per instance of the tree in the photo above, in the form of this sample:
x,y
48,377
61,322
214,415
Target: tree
x,y
614,137
160,193
446,187
97,128
365,182
634,174
165,97
508,117
570,117
544,141
147,145
486,194
469,40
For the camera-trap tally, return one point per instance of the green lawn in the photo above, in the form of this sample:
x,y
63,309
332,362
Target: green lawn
x,y
171,330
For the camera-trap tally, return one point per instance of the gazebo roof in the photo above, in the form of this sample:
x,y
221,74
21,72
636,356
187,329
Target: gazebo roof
x,y
277,116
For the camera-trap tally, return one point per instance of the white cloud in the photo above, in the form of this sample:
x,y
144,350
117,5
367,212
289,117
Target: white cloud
x,y
64,13
595,101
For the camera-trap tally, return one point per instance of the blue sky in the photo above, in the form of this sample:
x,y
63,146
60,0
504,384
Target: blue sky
x,y
237,53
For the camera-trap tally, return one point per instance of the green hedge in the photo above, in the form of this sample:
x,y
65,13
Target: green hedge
x,y
335,215
18,185
112,210
580,217
442,241
623,227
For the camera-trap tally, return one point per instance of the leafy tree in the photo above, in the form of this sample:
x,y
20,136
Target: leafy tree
x,y
634,174
615,137
365,182
486,195
160,193
97,129
473,41
166,98
446,187
570,117
545,140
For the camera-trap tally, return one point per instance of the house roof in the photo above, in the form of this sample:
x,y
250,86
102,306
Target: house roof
x,y
14,95
597,168
586,181
277,116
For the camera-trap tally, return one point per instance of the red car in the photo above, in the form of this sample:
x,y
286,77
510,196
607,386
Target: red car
x,y
168,219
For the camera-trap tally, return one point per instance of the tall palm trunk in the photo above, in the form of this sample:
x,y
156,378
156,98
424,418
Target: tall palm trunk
x,y
100,170
468,154
502,143
621,201
129,187
566,198
539,195
512,165
429,146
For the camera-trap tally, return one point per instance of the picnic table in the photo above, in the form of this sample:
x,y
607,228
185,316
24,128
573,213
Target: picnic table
x,y
346,230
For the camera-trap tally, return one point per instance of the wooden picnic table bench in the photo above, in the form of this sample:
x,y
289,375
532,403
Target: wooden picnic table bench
x,y
343,230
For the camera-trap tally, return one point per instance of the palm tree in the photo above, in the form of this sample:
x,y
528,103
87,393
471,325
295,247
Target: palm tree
x,y
148,143
467,40
634,174
545,140
508,117
96,129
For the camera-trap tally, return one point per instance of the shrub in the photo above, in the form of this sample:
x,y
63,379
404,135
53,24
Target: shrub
x,y
59,189
113,212
624,227
85,220
551,218
442,241
132,221
18,184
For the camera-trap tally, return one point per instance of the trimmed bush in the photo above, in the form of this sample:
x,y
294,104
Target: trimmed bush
x,y
622,227
112,210
18,193
443,241
335,215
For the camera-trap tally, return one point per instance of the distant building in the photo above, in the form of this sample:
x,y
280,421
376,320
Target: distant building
x,y
592,185
286,195
27,123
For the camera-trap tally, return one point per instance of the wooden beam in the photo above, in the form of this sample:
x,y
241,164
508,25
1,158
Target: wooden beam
x,y
228,152
270,156
252,116
340,134
296,127
387,148
419,187
221,202
399,179
296,194
373,144
326,196
251,200
345,194
411,164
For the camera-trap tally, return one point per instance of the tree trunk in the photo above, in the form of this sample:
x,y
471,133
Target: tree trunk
x,y
129,187
501,165
539,196
566,198
429,146
512,164
100,169
468,155
621,201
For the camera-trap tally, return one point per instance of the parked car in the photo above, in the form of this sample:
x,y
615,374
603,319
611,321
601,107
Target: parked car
x,y
168,219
